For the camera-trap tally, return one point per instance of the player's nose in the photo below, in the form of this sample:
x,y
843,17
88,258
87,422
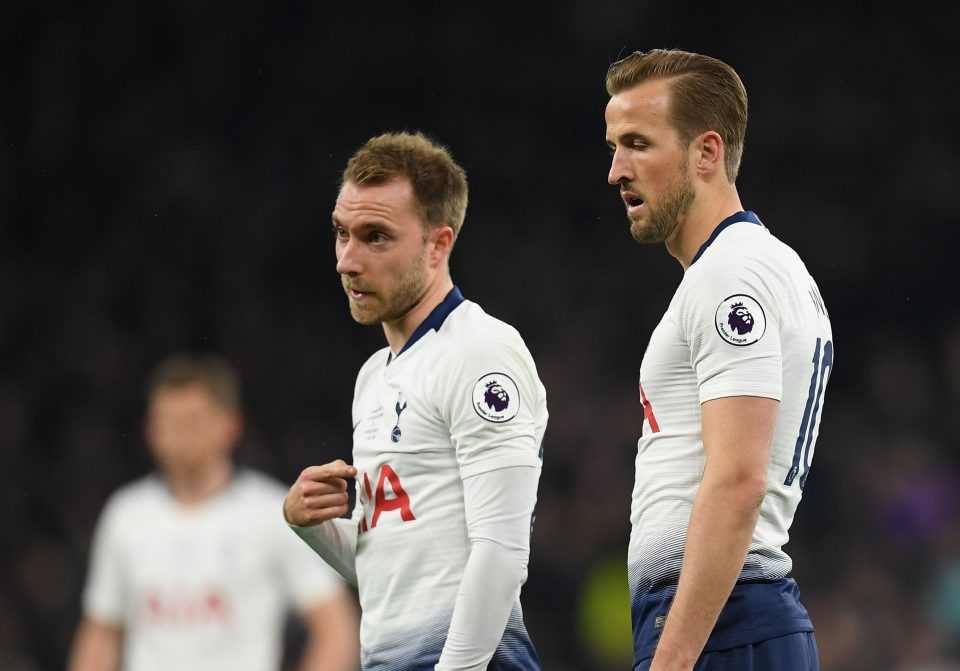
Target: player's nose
x,y
348,258
619,169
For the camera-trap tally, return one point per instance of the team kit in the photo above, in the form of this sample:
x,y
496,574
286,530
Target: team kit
x,y
449,416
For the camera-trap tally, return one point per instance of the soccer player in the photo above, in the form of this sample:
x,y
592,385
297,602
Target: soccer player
x,y
732,381
192,567
448,421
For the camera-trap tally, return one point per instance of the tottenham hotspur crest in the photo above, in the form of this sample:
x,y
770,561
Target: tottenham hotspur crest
x,y
496,398
740,320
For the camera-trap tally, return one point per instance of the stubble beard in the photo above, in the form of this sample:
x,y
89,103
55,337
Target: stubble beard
x,y
664,219
406,290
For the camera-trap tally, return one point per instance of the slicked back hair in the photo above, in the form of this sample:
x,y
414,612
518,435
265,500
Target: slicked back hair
x,y
439,183
705,94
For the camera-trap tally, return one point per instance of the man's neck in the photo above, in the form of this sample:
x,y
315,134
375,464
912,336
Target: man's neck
x,y
398,332
700,222
193,488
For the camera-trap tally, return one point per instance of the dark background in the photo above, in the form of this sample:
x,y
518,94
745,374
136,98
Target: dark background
x,y
166,176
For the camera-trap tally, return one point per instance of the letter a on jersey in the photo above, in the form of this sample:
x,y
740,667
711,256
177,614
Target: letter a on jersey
x,y
381,504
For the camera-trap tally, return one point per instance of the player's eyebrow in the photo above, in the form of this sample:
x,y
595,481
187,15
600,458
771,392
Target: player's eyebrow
x,y
625,139
364,226
632,136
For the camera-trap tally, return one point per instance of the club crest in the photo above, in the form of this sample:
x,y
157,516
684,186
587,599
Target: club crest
x,y
496,398
740,320
400,407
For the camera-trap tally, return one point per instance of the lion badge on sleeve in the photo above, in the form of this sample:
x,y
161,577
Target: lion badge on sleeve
x,y
496,398
740,320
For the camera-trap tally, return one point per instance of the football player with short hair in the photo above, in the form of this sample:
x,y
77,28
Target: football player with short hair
x,y
732,381
448,422
191,568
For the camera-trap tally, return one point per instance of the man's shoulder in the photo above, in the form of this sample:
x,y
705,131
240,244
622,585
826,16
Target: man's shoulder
x,y
256,484
749,247
136,498
470,327
376,360
146,487
257,494
745,253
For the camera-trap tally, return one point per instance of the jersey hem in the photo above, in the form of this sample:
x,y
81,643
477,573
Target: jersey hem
x,y
776,393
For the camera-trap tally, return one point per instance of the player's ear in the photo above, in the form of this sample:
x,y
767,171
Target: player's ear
x,y
237,426
709,148
442,239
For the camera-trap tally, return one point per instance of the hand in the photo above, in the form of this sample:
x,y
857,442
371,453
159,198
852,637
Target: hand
x,y
319,494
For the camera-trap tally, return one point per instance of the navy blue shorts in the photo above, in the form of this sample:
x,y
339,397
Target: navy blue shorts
x,y
793,652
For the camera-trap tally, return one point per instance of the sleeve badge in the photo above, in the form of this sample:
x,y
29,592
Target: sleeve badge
x,y
740,320
496,398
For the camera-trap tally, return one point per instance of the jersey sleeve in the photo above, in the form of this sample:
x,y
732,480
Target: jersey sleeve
x,y
104,595
730,318
495,405
499,506
308,580
335,541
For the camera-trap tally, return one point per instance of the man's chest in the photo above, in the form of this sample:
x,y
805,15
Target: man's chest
x,y
399,417
403,452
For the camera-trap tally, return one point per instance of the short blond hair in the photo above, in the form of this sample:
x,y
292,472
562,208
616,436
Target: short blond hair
x,y
439,183
705,94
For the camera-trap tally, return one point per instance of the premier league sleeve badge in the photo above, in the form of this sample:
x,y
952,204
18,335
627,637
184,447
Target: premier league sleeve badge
x,y
740,320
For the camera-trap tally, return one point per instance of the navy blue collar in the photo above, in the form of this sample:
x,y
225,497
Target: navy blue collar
x,y
434,320
729,221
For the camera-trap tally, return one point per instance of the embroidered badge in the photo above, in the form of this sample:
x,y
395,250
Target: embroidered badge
x,y
740,320
496,398
401,406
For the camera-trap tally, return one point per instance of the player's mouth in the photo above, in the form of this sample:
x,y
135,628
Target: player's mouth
x,y
632,201
356,293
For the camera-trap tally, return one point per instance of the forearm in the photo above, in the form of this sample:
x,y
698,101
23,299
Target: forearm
x,y
490,586
333,643
498,506
721,526
336,542
96,647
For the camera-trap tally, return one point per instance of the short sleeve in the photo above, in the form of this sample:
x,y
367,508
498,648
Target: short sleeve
x,y
495,405
307,579
104,596
730,319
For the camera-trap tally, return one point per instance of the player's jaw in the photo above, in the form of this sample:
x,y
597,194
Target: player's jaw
x,y
656,220
390,300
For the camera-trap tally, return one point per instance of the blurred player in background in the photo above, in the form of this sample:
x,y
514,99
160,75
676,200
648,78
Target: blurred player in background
x,y
732,381
193,567
448,422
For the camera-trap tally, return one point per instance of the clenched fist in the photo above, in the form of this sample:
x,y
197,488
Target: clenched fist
x,y
319,494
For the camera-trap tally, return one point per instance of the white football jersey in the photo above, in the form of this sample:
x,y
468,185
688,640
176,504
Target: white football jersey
x,y
204,587
462,398
746,320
